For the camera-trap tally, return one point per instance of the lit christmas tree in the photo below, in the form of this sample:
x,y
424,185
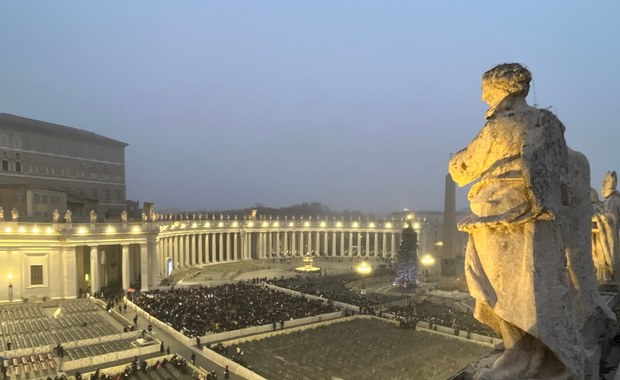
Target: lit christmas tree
x,y
407,260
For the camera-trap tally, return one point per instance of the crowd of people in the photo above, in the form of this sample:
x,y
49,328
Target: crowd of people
x,y
333,288
214,309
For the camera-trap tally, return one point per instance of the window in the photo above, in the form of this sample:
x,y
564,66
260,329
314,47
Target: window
x,y
4,140
36,275
118,195
17,142
19,198
106,195
36,198
5,165
18,166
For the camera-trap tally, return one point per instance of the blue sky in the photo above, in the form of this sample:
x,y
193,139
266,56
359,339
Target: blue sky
x,y
355,104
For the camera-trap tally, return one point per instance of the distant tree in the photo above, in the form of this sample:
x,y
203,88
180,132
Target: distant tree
x,y
407,260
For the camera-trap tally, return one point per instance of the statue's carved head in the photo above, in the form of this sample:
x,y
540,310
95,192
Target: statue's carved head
x,y
609,184
593,196
503,80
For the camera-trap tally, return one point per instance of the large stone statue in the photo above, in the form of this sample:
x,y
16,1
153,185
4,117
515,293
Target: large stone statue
x,y
14,214
515,263
55,216
68,216
93,216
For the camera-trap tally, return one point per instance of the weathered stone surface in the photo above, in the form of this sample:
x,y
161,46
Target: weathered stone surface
x,y
528,226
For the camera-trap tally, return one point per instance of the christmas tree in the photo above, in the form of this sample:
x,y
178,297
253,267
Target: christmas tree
x,y
407,260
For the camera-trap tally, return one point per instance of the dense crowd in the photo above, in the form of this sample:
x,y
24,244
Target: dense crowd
x,y
333,288
214,309
440,315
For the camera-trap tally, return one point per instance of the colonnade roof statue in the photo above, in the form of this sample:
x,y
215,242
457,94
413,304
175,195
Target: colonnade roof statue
x,y
606,231
532,281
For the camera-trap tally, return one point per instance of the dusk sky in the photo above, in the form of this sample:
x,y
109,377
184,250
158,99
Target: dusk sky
x,y
354,104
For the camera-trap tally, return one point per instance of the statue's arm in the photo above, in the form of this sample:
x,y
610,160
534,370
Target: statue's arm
x,y
469,163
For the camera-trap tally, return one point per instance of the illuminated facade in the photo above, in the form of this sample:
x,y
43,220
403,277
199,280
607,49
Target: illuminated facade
x,y
57,260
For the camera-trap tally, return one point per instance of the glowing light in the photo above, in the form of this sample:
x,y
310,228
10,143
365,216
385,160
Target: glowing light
x,y
220,224
355,224
250,224
306,224
8,230
235,224
10,277
21,230
323,224
291,224
338,224
136,229
81,230
194,225
265,224
48,230
388,225
35,230
276,224
363,268
371,225
409,216
427,260
416,225
183,225
110,230
439,244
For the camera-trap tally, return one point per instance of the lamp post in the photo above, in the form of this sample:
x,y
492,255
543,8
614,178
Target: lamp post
x,y
363,269
428,261
10,277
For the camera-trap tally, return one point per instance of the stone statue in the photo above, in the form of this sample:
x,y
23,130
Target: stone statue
x,y
602,241
515,262
14,214
55,216
93,216
154,216
145,217
124,216
1,214
611,207
68,216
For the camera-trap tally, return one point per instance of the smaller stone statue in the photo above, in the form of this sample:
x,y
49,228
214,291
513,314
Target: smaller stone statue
x,y
144,217
68,216
93,216
154,217
55,216
124,216
14,214
199,216
1,213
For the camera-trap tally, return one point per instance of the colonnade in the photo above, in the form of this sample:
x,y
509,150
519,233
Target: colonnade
x,y
179,248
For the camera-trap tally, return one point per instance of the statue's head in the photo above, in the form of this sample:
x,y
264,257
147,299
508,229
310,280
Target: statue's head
x,y
504,80
609,184
593,196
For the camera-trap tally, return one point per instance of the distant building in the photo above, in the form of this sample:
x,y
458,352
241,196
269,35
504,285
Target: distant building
x,y
87,168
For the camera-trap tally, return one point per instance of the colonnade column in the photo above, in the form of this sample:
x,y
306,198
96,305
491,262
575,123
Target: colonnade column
x,y
293,246
153,262
69,271
201,258
318,242
144,267
220,242
278,249
126,279
376,243
333,253
228,251
206,249
285,245
341,243
309,242
301,244
384,243
367,243
350,243
192,250
186,251
235,247
213,247
94,269
249,246
394,249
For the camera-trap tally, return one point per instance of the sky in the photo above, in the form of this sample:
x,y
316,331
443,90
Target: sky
x,y
355,104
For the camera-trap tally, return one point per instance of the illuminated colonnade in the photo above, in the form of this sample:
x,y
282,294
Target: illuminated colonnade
x,y
57,260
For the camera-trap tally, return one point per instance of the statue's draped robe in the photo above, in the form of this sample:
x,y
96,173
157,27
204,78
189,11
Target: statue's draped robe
x,y
515,263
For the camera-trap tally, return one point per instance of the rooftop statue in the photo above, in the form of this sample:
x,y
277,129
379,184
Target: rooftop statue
x,y
611,207
516,259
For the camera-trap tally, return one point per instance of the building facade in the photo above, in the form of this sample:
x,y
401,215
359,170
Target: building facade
x,y
88,168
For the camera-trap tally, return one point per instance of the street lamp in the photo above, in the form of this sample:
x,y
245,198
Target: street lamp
x,y
363,269
10,277
428,261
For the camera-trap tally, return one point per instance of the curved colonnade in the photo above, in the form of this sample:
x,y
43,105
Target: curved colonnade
x,y
66,260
